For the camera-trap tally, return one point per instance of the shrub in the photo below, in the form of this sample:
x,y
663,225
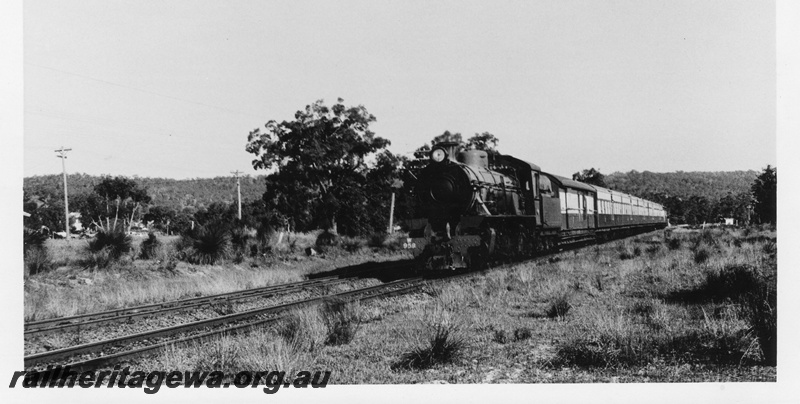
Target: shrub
x,y
701,255
597,281
239,238
302,330
112,242
209,244
32,239
352,245
642,308
222,354
326,239
100,259
341,320
770,248
523,333
732,282
653,249
754,291
150,247
500,336
37,260
627,254
377,239
559,306
760,306
443,346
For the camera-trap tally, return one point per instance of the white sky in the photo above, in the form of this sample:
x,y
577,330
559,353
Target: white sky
x,y
171,89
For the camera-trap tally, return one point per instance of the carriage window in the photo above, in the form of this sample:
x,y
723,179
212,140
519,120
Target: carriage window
x,y
544,186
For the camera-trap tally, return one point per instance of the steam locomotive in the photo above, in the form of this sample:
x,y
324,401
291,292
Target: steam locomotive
x,y
474,208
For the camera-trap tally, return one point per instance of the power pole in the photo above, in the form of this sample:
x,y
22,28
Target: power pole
x,y
62,154
238,191
391,216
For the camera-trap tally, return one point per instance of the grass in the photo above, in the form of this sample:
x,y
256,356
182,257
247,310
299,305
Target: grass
x,y
659,316
341,320
443,344
303,330
61,280
559,307
37,260
230,354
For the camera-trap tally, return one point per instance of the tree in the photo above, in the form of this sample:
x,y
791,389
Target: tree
x,y
765,194
124,193
483,141
387,177
320,158
591,177
47,214
733,206
162,217
697,210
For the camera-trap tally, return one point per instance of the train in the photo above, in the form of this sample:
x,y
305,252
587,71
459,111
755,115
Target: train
x,y
475,208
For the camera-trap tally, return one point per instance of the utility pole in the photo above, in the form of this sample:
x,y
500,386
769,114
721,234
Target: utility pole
x,y
238,191
62,154
391,216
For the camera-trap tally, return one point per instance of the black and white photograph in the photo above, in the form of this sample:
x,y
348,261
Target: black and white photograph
x,y
436,201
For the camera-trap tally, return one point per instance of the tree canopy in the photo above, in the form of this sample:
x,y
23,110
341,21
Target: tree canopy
x,y
483,141
591,177
765,194
124,193
479,141
319,158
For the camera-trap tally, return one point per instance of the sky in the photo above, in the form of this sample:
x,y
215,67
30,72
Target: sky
x,y
171,89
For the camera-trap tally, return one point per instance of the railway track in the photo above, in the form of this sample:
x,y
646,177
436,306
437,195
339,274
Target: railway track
x,y
82,321
64,324
114,350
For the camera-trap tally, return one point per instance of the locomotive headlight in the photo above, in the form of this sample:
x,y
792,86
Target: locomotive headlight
x,y
438,155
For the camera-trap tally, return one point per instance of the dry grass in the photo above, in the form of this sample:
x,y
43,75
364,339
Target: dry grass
x,y
438,339
256,351
654,316
73,287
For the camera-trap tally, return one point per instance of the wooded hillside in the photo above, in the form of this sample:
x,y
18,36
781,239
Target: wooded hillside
x,y
710,185
177,194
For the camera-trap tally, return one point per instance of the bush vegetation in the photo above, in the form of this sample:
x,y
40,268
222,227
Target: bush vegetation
x,y
444,346
150,248
341,320
208,245
112,241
